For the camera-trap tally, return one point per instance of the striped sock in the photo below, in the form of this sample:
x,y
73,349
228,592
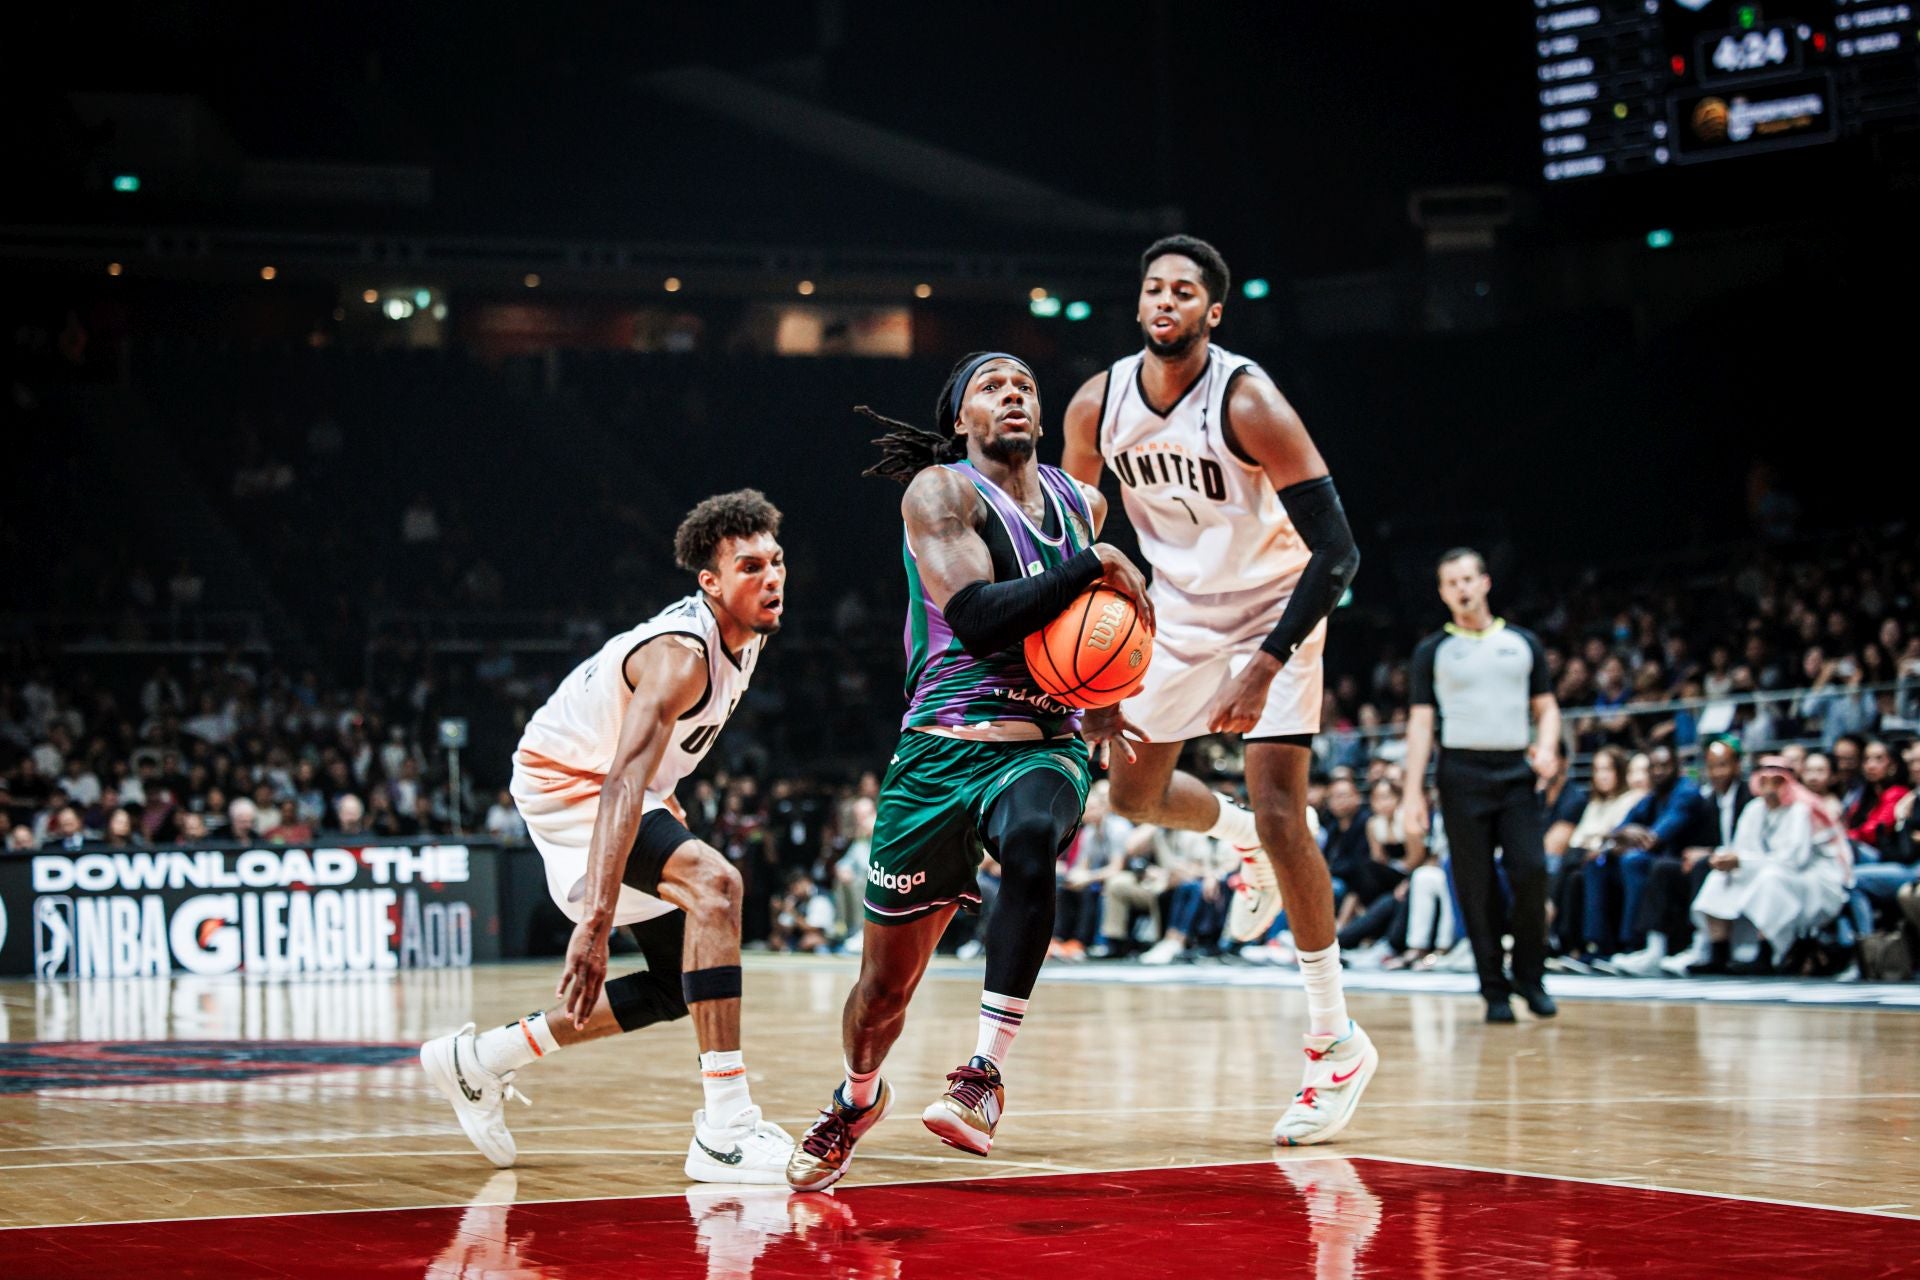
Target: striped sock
x,y
1000,1019
723,1076
514,1045
862,1088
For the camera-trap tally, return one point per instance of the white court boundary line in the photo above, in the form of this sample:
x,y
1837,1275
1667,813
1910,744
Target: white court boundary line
x,y
1042,1173
1623,1185
1422,1104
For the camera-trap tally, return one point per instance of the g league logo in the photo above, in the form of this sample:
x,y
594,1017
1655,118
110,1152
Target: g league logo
x,y
52,935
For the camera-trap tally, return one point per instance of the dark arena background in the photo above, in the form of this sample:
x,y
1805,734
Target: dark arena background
x,y
361,363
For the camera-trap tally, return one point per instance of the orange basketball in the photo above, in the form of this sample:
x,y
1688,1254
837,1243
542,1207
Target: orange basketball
x,y
1094,654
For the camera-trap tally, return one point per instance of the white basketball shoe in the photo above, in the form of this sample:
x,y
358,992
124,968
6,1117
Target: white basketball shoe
x,y
1338,1069
747,1149
478,1096
1256,903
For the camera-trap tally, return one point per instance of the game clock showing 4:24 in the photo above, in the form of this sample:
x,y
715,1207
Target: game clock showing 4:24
x,y
1628,86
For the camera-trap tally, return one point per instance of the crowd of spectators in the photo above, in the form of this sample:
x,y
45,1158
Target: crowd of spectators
x,y
1668,655
1784,864
228,749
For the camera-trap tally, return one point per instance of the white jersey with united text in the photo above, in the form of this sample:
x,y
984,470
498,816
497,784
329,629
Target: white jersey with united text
x,y
569,744
1225,555
1208,522
576,733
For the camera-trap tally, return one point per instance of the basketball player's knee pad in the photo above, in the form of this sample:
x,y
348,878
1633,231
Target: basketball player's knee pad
x,y
721,982
642,999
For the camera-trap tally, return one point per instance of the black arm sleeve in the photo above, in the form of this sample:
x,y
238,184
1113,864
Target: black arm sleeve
x,y
1316,512
987,617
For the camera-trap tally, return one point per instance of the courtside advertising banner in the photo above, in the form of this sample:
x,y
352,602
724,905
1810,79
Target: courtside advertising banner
x,y
278,911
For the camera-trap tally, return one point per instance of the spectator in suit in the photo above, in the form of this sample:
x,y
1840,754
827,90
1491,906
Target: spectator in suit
x,y
1666,904
1659,825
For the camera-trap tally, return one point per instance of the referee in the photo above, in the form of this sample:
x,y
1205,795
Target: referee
x,y
1486,682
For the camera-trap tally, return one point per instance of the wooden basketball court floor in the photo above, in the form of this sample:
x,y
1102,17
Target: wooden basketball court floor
x,y
220,1126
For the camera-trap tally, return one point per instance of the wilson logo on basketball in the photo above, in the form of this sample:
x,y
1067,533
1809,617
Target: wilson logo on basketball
x,y
1101,637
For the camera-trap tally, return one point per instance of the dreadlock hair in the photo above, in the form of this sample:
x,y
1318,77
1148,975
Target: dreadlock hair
x,y
906,450
739,514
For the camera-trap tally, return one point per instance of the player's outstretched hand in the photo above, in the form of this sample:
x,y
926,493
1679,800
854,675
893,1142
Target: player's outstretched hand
x,y
1125,577
1104,726
1243,698
585,973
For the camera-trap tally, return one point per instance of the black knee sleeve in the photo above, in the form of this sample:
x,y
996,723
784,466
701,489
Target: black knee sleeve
x,y
721,982
642,999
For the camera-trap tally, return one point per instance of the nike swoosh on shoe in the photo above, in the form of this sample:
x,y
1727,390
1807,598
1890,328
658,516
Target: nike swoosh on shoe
x,y
473,1095
728,1157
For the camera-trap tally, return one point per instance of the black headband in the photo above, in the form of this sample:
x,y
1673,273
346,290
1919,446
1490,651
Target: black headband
x,y
960,384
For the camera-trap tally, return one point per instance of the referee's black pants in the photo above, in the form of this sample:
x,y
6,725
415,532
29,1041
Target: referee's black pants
x,y
1487,801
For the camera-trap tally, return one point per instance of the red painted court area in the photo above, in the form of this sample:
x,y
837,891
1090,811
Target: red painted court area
x,y
1321,1217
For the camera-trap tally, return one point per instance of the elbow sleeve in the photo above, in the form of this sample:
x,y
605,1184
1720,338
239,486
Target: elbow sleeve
x,y
987,617
1314,507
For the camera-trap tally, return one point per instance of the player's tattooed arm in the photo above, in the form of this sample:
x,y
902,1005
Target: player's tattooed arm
x,y
1081,458
669,677
943,513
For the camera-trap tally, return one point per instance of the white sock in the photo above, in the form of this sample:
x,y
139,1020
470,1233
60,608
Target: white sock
x,y
862,1088
1326,1004
1235,826
513,1046
1657,945
1000,1019
723,1077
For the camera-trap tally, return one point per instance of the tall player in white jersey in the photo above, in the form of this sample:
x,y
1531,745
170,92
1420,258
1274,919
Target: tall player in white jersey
x,y
594,778
1250,552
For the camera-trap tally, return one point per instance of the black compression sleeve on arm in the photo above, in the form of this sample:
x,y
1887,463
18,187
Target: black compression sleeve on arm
x,y
1316,512
987,617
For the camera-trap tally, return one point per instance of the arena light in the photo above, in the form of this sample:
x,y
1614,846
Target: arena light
x,y
1037,293
1255,288
1079,310
923,291
531,280
804,288
1044,307
398,308
422,297
114,268
268,273
1659,238
126,183
672,284
370,296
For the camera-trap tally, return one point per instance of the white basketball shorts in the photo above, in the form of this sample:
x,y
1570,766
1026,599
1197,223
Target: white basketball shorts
x,y
560,810
1201,642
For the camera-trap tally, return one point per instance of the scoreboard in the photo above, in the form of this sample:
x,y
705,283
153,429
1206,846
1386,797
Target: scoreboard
x,y
1628,86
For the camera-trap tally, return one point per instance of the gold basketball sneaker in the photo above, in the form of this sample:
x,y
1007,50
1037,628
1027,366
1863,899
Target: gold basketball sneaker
x,y
824,1151
1338,1068
964,1117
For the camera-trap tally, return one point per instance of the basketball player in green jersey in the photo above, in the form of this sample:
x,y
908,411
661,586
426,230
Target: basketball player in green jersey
x,y
996,547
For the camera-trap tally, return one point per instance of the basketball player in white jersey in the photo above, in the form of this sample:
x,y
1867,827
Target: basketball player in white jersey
x,y
1250,552
594,778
